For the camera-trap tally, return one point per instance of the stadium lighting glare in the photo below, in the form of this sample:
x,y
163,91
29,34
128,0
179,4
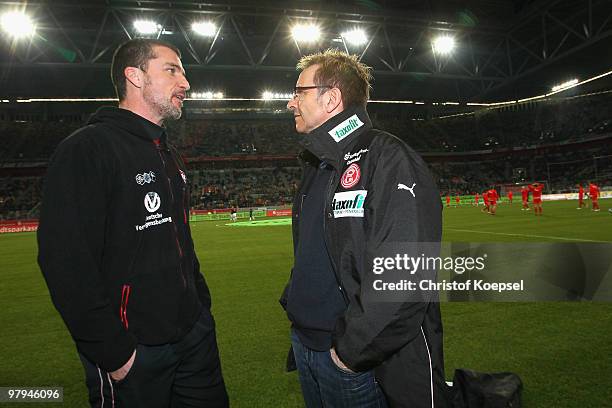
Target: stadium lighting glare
x,y
404,102
205,28
306,32
269,96
17,24
443,44
146,26
196,95
207,95
564,85
32,100
273,95
355,36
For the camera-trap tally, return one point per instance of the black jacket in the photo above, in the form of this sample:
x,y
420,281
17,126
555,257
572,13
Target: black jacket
x,y
368,215
114,241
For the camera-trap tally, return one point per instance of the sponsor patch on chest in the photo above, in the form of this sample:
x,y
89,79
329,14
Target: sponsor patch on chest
x,y
152,202
145,178
349,203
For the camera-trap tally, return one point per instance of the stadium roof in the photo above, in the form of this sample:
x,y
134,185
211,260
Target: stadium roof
x,y
505,49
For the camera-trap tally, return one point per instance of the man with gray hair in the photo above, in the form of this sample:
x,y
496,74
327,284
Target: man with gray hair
x,y
362,190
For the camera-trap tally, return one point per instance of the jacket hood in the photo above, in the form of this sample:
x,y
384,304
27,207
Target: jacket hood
x,y
329,141
130,122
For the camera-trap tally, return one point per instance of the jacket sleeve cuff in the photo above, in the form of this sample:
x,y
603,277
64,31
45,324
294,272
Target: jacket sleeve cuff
x,y
114,354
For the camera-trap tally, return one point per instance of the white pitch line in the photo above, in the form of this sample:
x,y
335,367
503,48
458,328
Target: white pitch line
x,y
523,235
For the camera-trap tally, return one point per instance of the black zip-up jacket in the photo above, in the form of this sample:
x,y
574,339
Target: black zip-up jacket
x,y
381,199
114,241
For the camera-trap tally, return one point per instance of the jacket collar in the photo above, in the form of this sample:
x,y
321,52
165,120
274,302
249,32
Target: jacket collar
x,y
329,141
131,123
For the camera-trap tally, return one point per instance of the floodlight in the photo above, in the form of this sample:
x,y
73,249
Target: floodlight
x,y
218,95
355,36
443,44
269,95
147,26
565,85
306,32
17,24
206,29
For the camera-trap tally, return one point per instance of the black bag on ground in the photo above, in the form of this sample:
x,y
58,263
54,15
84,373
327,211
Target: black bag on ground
x,y
472,389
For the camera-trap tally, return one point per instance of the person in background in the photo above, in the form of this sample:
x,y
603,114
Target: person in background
x,y
492,197
594,196
536,192
581,203
525,198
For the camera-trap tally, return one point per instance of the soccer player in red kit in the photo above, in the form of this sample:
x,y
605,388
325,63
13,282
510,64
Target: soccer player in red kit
x,y
448,200
477,199
536,191
525,197
485,198
580,197
510,194
594,194
457,200
492,197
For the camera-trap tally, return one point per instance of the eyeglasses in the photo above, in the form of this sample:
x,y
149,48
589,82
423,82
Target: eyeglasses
x,y
299,89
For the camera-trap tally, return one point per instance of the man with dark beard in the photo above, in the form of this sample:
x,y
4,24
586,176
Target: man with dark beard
x,y
116,250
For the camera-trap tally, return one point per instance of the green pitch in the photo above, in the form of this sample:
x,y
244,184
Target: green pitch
x,y
266,222
561,350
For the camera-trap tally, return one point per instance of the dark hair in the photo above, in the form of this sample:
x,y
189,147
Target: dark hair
x,y
343,71
134,53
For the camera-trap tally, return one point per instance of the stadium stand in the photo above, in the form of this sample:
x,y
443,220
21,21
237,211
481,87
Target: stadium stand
x,y
253,187
19,197
252,162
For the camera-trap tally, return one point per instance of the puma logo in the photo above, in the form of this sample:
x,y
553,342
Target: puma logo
x,y
401,186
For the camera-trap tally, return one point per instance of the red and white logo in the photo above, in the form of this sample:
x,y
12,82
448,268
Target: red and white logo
x,y
351,176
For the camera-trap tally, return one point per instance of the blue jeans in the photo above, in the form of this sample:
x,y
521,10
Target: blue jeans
x,y
324,384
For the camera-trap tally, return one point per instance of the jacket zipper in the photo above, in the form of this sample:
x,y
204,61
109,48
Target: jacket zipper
x,y
172,201
325,209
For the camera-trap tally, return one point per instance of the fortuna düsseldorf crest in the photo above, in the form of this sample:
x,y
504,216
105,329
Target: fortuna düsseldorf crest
x,y
351,176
